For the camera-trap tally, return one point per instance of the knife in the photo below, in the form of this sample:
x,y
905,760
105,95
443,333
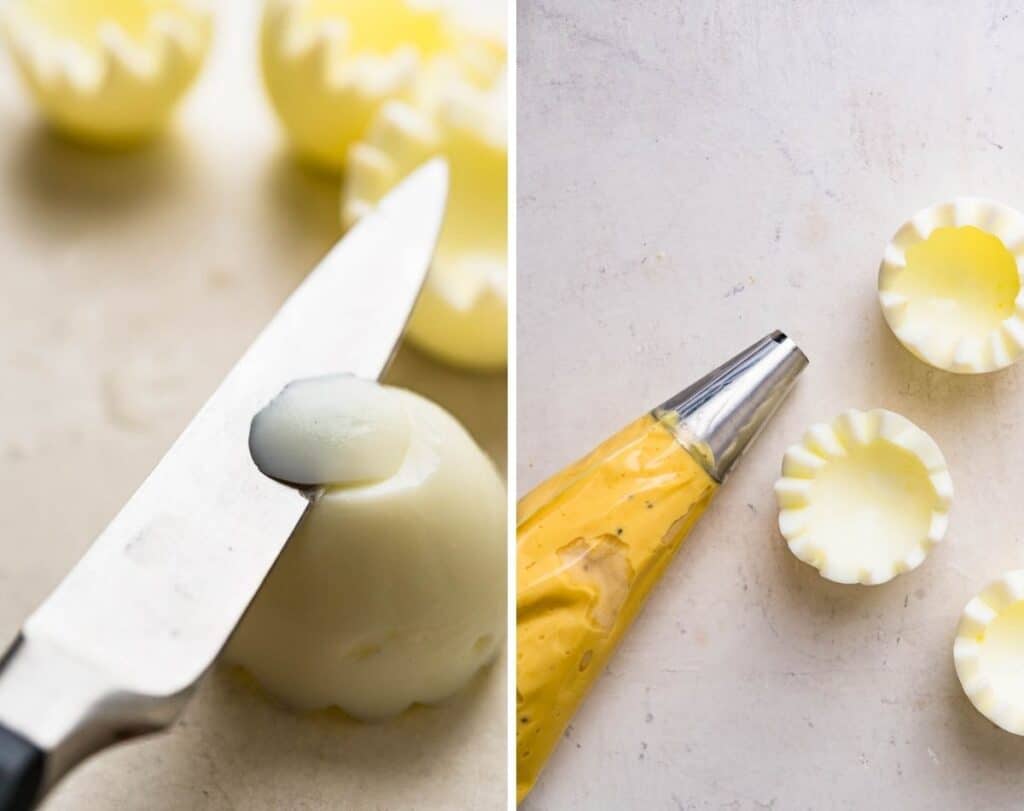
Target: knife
x,y
118,648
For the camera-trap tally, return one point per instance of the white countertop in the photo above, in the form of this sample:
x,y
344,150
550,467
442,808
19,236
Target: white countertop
x,y
692,176
130,284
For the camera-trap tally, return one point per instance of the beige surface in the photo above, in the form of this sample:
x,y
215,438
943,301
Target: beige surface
x,y
692,175
129,286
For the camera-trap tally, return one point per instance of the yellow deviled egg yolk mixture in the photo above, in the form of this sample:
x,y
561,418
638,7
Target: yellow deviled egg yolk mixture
x,y
592,541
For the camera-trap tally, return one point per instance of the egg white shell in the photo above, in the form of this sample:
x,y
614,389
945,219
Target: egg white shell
x,y
119,89
853,505
988,651
323,88
938,342
462,316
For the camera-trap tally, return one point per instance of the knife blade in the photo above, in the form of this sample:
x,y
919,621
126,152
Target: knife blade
x,y
117,648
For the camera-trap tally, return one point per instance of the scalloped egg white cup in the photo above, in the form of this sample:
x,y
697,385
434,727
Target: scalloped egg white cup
x,y
865,497
461,317
989,651
950,285
107,72
329,64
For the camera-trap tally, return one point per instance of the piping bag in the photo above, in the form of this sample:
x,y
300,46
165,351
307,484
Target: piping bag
x,y
593,539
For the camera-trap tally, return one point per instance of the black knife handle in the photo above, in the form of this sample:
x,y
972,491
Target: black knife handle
x,y
21,771
98,714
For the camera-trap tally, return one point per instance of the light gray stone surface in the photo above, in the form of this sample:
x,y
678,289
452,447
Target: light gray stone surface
x,y
691,176
129,284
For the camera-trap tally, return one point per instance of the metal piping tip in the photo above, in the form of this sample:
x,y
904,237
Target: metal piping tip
x,y
719,416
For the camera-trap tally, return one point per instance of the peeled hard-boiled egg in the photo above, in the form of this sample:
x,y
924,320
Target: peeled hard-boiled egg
x,y
391,590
